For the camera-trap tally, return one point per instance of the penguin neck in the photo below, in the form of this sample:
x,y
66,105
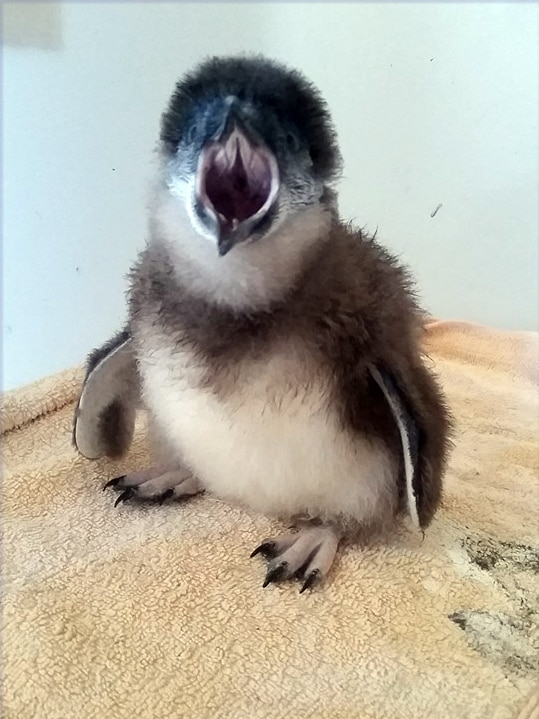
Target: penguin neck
x,y
252,277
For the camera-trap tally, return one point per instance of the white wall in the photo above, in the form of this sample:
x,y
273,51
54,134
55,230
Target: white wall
x,y
434,103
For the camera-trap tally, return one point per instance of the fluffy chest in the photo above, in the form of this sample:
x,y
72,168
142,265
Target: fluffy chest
x,y
266,434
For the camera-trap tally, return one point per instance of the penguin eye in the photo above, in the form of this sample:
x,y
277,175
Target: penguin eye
x,y
292,140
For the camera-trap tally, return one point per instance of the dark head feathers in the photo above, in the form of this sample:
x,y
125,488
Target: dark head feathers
x,y
269,86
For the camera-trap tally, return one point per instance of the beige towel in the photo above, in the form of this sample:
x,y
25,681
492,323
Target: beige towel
x,y
158,613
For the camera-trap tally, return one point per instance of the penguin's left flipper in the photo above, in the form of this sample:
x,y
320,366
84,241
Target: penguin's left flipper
x,y
104,420
410,434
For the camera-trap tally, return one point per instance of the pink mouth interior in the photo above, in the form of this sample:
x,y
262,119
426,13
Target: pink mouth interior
x,y
237,179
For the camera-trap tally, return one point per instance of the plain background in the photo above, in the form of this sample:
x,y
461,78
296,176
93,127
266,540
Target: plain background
x,y
435,104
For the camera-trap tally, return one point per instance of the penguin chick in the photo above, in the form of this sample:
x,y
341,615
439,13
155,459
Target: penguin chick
x,y
276,348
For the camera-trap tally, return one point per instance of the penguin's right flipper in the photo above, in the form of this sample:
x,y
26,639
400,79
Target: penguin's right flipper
x,y
104,420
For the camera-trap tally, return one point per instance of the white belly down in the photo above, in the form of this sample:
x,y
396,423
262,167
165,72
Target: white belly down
x,y
272,444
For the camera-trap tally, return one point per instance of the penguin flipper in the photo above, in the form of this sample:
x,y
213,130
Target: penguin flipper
x,y
104,420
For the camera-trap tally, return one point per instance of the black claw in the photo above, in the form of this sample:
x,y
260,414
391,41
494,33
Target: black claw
x,y
266,549
166,495
124,496
113,482
276,574
311,579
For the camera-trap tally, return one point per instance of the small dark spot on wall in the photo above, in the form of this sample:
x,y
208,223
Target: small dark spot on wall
x,y
431,59
114,169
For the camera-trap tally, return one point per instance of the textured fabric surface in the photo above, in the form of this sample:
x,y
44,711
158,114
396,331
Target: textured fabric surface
x,y
157,612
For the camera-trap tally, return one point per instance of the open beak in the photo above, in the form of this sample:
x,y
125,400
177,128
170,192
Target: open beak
x,y
237,183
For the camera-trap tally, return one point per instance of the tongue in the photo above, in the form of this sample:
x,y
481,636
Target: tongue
x,y
237,182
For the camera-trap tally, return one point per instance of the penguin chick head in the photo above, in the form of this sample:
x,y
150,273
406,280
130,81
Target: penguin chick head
x,y
246,144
